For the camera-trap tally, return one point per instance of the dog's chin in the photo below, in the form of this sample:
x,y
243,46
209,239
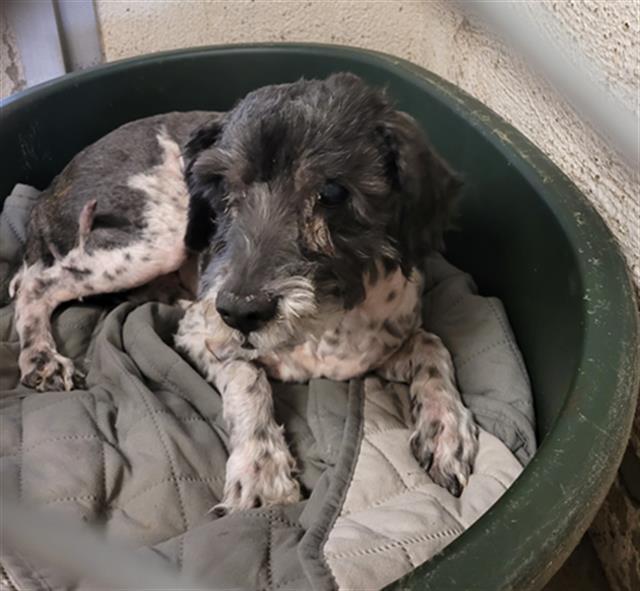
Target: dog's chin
x,y
227,344
274,336
305,319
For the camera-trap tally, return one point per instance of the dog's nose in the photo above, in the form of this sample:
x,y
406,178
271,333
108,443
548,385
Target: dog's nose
x,y
246,313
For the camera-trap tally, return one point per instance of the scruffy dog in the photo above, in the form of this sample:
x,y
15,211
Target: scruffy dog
x,y
311,207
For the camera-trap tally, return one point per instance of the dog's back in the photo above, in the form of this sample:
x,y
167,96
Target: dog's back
x,y
102,172
114,219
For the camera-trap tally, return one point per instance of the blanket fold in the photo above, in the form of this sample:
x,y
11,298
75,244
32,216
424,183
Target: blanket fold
x,y
140,453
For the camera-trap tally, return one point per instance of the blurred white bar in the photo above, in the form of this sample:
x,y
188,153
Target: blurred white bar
x,y
36,31
522,26
79,37
80,552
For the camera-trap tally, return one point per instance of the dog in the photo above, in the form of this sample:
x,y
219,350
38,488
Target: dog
x,y
299,221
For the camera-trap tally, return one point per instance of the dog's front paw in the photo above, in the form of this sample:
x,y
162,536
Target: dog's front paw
x,y
258,479
445,443
46,370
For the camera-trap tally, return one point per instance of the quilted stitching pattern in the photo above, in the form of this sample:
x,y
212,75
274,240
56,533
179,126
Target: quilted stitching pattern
x,y
394,517
142,453
78,449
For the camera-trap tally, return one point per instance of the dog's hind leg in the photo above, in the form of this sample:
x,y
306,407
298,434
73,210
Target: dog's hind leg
x,y
104,257
40,289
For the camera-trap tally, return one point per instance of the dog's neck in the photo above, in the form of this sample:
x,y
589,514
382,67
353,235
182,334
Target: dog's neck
x,y
344,344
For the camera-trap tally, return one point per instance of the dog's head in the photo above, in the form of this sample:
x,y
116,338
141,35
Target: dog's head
x,y
303,193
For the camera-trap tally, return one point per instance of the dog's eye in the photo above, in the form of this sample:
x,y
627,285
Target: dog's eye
x,y
217,193
333,194
219,183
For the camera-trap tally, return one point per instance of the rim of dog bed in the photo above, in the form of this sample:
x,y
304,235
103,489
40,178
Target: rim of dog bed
x,y
521,541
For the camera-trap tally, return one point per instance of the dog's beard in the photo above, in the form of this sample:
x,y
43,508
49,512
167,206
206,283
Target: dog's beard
x,y
297,317
297,307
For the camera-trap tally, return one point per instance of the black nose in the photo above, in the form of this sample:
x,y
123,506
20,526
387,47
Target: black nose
x,y
246,313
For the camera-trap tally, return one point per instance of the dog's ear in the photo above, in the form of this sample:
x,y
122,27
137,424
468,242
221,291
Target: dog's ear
x,y
203,137
424,189
201,222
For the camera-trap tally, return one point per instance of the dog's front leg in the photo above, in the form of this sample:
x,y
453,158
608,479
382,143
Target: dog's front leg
x,y
260,467
445,440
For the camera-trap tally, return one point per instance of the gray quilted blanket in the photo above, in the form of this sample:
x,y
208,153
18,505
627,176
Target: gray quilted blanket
x,y
140,454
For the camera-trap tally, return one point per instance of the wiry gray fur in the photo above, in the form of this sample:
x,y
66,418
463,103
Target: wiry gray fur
x,y
315,198
101,172
279,145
